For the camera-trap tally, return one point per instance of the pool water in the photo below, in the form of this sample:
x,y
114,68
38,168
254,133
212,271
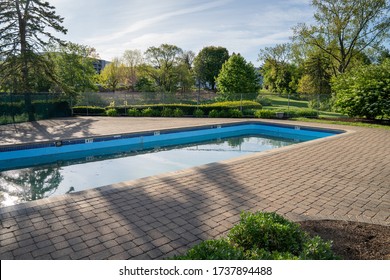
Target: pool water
x,y
90,171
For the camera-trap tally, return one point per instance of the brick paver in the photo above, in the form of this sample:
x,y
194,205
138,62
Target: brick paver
x,y
345,177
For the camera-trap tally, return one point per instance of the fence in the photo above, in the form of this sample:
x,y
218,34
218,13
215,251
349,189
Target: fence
x,y
104,99
44,106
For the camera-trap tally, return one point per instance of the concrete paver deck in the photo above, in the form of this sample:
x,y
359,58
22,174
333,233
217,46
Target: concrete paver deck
x,y
344,177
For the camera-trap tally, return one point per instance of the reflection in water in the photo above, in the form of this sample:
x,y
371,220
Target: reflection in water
x,y
28,184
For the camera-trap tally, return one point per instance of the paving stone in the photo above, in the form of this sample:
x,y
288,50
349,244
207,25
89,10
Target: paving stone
x,y
346,177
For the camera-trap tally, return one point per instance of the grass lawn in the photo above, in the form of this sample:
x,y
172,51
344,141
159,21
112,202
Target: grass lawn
x,y
279,102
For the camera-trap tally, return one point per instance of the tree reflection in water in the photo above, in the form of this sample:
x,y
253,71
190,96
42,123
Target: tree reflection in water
x,y
28,184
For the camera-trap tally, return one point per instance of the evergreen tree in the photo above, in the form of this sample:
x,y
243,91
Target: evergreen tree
x,y
24,35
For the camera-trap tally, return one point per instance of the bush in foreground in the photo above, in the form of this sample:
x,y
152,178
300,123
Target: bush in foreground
x,y
262,236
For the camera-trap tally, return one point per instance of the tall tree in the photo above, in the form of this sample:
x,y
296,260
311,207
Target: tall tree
x,y
345,28
208,63
165,58
112,75
24,34
279,72
74,67
132,59
238,77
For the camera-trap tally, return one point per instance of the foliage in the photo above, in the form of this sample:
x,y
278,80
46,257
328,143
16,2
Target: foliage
x,y
262,236
364,91
265,114
280,75
167,112
291,113
237,79
111,112
133,112
91,110
23,27
214,113
264,101
198,113
131,59
208,63
74,67
234,113
344,29
219,249
178,113
164,61
149,112
112,75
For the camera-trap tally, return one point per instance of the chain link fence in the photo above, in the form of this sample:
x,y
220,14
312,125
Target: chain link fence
x,y
43,105
105,99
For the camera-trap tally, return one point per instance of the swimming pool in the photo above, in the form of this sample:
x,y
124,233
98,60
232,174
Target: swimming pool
x,y
32,172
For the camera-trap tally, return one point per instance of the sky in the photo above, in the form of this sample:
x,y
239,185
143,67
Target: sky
x,y
241,26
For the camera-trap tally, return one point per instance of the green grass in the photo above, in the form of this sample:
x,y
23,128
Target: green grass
x,y
278,101
360,124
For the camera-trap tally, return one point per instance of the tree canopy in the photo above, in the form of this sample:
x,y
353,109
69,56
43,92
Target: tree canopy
x,y
345,28
208,63
24,34
238,77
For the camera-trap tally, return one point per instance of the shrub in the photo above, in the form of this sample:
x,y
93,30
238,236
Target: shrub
x,y
91,110
364,91
268,231
149,112
213,114
219,249
112,112
234,113
263,236
198,113
264,114
178,113
167,112
133,112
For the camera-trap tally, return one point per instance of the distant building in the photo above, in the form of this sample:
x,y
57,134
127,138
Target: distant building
x,y
99,65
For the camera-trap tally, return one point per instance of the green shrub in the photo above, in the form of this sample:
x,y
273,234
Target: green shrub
x,y
214,113
263,236
149,112
235,113
178,113
198,113
219,249
265,114
112,112
90,110
133,112
167,112
317,249
268,231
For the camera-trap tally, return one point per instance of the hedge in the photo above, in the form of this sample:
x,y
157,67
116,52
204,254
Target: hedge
x,y
224,109
45,109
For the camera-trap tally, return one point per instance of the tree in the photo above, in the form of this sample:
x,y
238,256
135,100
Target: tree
x,y
208,63
364,91
132,59
74,67
24,34
345,28
279,73
165,59
112,75
238,77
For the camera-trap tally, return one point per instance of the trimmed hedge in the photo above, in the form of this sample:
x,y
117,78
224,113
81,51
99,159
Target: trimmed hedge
x,y
262,236
45,109
223,109
292,113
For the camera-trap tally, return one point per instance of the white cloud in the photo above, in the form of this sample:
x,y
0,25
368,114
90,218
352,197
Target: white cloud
x,y
242,26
